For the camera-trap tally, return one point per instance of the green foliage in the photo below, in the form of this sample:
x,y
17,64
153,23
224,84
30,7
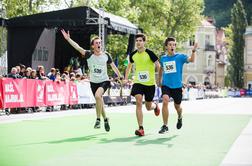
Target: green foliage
x,y
236,59
117,46
74,3
221,10
3,40
158,19
15,8
229,41
183,18
227,81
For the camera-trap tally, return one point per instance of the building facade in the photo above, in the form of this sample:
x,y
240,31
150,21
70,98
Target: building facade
x,y
221,58
248,58
203,70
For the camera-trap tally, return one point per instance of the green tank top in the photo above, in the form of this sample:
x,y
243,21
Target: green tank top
x,y
145,67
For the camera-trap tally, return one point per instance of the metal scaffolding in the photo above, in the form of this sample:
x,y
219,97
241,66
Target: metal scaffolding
x,y
101,21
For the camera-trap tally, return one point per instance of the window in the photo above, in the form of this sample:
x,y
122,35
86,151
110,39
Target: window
x,y
192,41
207,40
209,60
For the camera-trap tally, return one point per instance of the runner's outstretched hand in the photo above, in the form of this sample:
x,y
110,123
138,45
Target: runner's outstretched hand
x,y
66,35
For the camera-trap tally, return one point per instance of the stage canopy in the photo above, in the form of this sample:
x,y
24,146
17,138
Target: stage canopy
x,y
36,39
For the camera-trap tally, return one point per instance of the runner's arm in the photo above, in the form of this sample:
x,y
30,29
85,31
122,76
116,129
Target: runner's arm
x,y
115,69
157,65
73,43
160,74
192,57
128,70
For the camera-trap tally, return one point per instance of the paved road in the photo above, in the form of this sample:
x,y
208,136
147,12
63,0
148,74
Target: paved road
x,y
240,152
241,106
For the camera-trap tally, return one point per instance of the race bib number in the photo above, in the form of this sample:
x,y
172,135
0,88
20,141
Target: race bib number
x,y
143,76
97,70
170,67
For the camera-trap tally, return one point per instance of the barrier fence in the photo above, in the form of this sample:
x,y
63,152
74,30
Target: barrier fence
x,y
18,93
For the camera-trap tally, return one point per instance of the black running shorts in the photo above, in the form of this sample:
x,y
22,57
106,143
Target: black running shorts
x,y
105,85
176,93
147,91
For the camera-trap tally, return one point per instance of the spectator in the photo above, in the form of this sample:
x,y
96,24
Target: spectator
x,y
22,70
52,74
27,73
34,74
41,73
13,74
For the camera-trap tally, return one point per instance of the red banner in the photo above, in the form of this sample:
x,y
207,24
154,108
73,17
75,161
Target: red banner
x,y
1,94
56,93
15,93
39,93
73,93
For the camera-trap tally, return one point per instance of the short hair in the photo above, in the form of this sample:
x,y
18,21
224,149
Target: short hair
x,y
53,69
93,39
22,66
141,35
168,39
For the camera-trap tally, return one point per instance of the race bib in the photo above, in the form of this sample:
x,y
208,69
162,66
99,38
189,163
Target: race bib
x,y
143,76
97,70
170,67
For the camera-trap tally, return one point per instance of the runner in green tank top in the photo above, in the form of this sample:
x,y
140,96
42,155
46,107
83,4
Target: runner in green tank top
x,y
144,79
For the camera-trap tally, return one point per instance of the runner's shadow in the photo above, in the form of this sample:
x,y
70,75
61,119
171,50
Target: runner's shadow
x,y
158,141
77,139
140,140
124,139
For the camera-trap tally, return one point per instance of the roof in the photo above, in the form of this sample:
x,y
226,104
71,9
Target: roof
x,y
248,31
117,22
72,17
205,23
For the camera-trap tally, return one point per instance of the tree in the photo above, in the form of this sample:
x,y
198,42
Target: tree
x,y
239,24
3,32
15,8
162,18
221,10
184,16
228,40
157,18
74,3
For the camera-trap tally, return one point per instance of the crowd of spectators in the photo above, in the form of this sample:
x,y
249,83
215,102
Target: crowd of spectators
x,y
21,71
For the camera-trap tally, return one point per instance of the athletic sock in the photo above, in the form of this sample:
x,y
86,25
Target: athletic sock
x,y
141,128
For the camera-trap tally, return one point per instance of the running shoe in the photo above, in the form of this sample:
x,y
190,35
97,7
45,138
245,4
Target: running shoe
x,y
157,110
97,124
106,125
163,130
179,123
139,132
